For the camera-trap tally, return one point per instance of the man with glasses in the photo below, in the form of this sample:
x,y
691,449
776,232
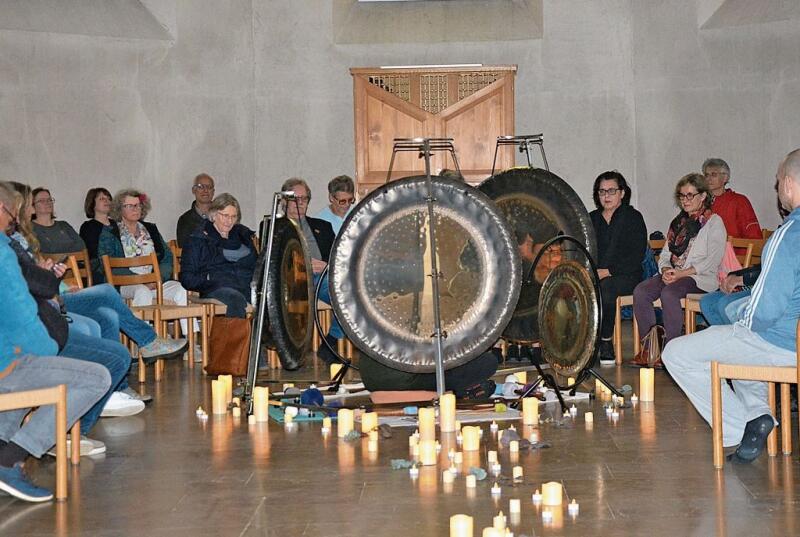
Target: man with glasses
x,y
735,209
341,196
203,190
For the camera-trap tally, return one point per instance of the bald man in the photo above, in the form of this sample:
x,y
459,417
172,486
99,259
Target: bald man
x,y
765,335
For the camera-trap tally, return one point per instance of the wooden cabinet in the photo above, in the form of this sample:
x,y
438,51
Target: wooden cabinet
x,y
472,105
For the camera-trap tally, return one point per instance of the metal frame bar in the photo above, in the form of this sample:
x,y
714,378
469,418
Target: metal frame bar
x,y
523,141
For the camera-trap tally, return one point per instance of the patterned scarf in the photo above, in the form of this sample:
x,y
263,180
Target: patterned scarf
x,y
682,231
137,244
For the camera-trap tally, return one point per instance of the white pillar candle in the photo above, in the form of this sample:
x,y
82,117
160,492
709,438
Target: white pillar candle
x,y
513,446
219,405
369,421
261,404
552,493
514,506
471,438
646,385
251,419
326,425
227,380
458,458
491,456
589,417
461,526
427,424
237,412
344,422
373,435
492,532
530,411
447,413
427,452
472,481
447,476
516,472
413,440
573,508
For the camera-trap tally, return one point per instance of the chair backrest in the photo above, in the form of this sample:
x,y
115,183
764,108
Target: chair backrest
x,y
82,259
153,277
656,245
73,274
177,251
256,244
753,248
766,233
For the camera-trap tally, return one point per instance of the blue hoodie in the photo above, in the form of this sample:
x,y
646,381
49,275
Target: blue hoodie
x,y
775,303
21,331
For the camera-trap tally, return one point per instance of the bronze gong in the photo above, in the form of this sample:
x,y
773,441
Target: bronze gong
x,y
288,294
380,268
538,205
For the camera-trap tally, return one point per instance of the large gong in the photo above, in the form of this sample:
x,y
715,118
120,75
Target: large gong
x,y
379,274
288,322
538,205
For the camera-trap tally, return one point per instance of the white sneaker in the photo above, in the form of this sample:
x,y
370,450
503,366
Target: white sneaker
x,y
121,404
89,447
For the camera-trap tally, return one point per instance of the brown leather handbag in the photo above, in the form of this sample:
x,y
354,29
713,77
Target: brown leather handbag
x,y
650,350
229,346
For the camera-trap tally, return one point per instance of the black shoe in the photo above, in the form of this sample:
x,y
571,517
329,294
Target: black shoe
x,y
478,392
534,355
512,352
325,354
754,439
605,352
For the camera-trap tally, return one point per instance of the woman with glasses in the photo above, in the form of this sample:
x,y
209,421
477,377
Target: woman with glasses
x,y
219,258
689,261
55,236
341,197
621,244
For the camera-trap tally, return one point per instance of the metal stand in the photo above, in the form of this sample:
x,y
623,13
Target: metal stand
x,y
588,370
402,145
524,141
346,363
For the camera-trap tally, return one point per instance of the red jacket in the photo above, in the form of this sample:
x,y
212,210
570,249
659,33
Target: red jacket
x,y
738,215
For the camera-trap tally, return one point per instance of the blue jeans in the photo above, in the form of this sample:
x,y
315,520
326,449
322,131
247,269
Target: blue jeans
x,y
84,325
713,306
324,295
233,299
86,384
104,304
111,354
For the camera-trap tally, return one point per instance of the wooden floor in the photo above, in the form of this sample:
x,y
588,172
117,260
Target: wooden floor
x,y
169,474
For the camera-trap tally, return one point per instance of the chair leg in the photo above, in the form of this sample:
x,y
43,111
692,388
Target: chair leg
x,y
786,419
190,337
772,439
716,416
636,339
75,436
618,333
61,444
205,329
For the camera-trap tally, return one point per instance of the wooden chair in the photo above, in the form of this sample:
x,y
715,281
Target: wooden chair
x,y
785,376
766,233
57,395
159,313
753,248
84,264
177,252
73,274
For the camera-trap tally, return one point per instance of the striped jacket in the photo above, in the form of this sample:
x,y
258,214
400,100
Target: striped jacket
x,y
775,303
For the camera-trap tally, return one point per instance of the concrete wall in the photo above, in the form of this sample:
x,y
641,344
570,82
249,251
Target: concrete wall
x,y
256,91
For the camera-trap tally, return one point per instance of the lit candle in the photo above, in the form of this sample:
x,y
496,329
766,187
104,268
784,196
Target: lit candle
x,y
219,405
427,424
513,446
326,425
471,438
496,469
522,377
552,493
237,412
288,420
547,516
461,526
335,368
573,411
369,421
472,481
570,381
492,532
573,508
536,497
493,427
427,452
491,456
495,490
647,385
530,411
614,415
499,522
415,450
451,454
447,476
261,404
514,506
251,419
589,417
227,380
344,422
236,401
634,399
459,458
372,446
516,473
413,472
447,413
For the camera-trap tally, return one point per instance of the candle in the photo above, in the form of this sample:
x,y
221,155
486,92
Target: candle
x,y
570,381
237,412
499,522
547,516
227,380
427,424
513,446
647,385
491,456
522,377
573,508
261,404
447,476
458,458
413,472
492,532
493,427
373,435
251,419
415,450
573,411
344,423
536,497
634,399
199,411
451,454
516,473
614,415
335,368
447,413
530,411
495,490
514,506
326,425
413,440
427,452
288,420
461,526
589,417
471,438
369,421
552,493
372,446
472,481
219,405
496,469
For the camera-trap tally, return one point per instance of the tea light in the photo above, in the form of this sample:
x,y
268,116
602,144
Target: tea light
x,y
491,456
199,411
511,428
373,435
552,493
236,401
459,438
499,522
495,490
496,469
536,497
647,385
427,424
451,454
516,473
522,377
344,422
461,526
372,446
288,420
614,415
547,516
251,419
514,506
609,410
459,458
413,441
369,421
326,425
492,532
335,368
261,404
573,508
472,481
573,411
219,404
471,438
413,472
530,411
589,417
438,446
447,413
566,414
513,446
634,399
493,427
427,452
447,476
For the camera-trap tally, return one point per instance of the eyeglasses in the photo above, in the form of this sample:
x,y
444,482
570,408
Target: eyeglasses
x,y
45,200
303,199
201,186
688,197
228,216
132,206
343,202
608,191
716,174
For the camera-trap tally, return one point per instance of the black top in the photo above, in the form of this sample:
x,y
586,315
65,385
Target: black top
x,y
90,233
188,223
323,233
621,244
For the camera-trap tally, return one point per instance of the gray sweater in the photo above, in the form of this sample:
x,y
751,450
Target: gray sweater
x,y
705,254
60,238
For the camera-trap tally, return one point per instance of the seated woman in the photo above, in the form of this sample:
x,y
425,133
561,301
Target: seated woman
x,y
97,207
55,236
131,236
689,261
219,257
621,244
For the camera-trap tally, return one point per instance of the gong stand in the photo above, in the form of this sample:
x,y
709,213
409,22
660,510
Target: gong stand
x,y
258,287
417,145
524,141
346,363
588,370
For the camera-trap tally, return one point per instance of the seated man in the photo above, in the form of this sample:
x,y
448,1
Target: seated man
x,y
765,334
341,195
735,209
27,363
